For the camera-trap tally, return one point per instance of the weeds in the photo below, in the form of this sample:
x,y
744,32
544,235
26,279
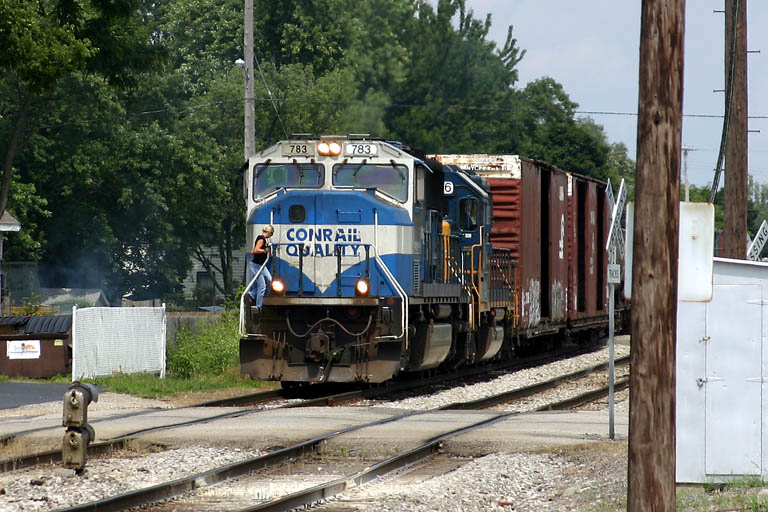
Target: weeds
x,y
758,506
204,357
207,349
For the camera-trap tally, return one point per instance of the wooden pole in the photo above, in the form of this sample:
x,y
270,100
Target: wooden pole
x,y
249,127
651,468
735,228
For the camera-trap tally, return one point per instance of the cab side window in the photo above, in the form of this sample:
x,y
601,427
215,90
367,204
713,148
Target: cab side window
x,y
420,179
468,213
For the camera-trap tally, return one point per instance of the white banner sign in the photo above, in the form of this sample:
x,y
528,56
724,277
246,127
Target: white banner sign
x,y
756,246
23,349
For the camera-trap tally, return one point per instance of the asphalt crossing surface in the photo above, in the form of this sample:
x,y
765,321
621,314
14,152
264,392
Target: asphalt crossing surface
x,y
16,394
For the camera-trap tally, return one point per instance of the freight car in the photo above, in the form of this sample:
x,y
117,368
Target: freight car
x,y
385,261
555,224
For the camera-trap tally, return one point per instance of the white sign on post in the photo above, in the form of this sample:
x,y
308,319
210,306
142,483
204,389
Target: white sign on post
x,y
696,237
614,273
756,246
609,194
615,238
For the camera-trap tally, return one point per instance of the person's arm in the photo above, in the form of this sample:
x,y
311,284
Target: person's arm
x,y
260,247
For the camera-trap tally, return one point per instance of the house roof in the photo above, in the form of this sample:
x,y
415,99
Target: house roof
x,y
8,222
13,320
53,296
56,324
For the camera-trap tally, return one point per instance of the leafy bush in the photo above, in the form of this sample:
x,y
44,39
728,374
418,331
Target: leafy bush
x,y
206,349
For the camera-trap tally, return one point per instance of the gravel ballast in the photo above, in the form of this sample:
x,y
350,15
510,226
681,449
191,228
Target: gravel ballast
x,y
495,481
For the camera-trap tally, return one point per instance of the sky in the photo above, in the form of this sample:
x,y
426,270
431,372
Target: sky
x,y
592,47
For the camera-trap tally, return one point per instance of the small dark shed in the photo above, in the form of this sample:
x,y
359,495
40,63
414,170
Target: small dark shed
x,y
35,346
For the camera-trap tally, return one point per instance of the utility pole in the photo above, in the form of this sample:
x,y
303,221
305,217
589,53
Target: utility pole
x,y
249,129
651,468
735,227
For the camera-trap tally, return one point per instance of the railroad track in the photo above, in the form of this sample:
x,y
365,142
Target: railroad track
x,y
300,451
325,397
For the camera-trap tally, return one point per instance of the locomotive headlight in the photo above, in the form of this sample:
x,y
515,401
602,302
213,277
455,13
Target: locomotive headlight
x,y
362,287
329,148
278,287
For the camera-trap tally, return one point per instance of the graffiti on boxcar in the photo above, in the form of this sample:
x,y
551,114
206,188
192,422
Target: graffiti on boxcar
x,y
561,252
559,300
532,298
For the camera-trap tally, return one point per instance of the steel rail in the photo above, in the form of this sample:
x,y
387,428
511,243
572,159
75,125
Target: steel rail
x,y
167,490
320,492
250,399
120,442
333,398
589,396
106,446
515,394
327,490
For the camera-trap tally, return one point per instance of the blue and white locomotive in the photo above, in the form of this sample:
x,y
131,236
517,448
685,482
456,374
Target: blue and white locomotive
x,y
381,264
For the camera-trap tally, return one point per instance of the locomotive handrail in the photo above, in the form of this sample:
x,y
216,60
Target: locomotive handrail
x,y
449,246
479,272
243,332
338,253
393,281
501,259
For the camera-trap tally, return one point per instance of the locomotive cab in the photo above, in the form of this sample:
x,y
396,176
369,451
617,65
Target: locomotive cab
x,y
349,216
488,275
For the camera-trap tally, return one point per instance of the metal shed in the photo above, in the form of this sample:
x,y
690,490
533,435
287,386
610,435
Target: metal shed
x,y
722,374
35,346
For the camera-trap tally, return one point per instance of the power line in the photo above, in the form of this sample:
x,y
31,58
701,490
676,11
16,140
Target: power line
x,y
702,116
273,101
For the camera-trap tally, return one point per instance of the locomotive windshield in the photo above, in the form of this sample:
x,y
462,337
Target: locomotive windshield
x,y
267,178
391,179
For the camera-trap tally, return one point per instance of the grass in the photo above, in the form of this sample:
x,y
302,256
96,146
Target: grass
x,y
205,357
607,462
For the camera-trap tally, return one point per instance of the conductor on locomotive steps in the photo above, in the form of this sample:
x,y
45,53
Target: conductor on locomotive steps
x,y
260,252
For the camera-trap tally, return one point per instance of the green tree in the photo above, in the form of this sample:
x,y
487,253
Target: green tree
x,y
204,87
757,205
140,170
45,41
458,85
620,166
553,133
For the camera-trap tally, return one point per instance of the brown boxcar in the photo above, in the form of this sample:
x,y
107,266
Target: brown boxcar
x,y
530,213
589,222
